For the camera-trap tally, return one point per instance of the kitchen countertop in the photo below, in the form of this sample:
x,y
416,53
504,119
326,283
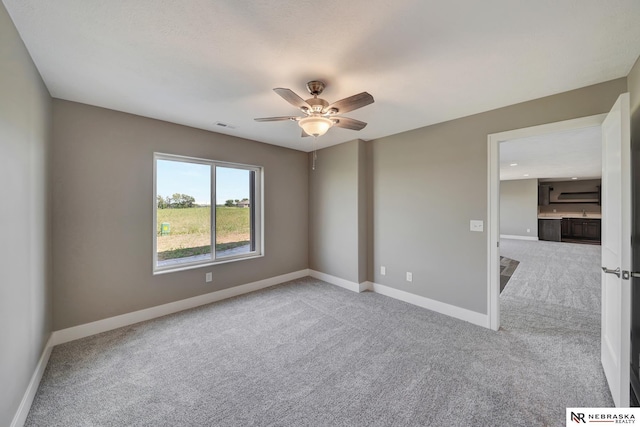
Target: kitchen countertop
x,y
569,215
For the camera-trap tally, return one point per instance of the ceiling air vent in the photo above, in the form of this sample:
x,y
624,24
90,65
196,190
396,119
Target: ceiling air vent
x,y
225,125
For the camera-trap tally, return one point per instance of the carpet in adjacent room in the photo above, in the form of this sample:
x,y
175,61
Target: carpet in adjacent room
x,y
507,268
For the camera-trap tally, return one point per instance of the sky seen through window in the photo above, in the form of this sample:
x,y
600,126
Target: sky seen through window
x,y
194,179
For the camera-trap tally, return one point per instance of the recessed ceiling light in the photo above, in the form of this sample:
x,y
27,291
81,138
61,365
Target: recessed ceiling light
x,y
526,174
575,177
513,164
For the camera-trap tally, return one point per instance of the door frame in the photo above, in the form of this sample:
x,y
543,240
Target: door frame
x,y
493,202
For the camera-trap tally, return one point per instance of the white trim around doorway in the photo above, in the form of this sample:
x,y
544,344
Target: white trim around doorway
x,y
493,202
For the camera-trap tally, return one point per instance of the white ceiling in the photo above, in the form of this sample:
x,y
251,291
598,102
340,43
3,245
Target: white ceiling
x,y
424,61
561,155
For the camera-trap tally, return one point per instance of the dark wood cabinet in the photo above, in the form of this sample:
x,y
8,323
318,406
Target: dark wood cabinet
x,y
566,227
591,229
581,229
544,194
577,227
549,229
586,192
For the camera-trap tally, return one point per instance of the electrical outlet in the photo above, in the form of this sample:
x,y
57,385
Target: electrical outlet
x,y
208,277
409,277
528,230
476,225
383,270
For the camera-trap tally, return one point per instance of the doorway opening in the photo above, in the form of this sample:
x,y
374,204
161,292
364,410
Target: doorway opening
x,y
617,212
527,136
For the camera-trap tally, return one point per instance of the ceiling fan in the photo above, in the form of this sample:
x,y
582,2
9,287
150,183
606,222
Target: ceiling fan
x,y
320,116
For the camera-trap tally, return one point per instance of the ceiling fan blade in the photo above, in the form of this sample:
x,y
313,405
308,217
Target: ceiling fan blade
x,y
275,119
304,134
293,99
351,103
347,123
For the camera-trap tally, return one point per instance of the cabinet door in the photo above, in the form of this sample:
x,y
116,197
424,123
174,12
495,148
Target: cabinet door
x,y
566,228
577,228
543,195
549,229
592,229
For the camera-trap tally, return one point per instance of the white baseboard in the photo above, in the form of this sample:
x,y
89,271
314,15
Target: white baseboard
x,y
433,305
366,286
514,237
338,281
25,404
430,304
99,326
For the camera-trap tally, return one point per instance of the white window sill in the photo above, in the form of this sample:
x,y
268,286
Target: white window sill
x,y
183,266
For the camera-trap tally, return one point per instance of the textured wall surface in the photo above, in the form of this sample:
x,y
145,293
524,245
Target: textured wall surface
x,y
519,207
428,183
337,225
103,212
25,294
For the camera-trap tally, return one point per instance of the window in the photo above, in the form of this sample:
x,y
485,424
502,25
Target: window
x,y
205,212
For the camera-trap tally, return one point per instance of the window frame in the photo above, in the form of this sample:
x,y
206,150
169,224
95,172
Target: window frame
x,y
256,214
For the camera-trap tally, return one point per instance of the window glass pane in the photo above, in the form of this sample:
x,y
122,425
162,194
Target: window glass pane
x,y
234,211
183,212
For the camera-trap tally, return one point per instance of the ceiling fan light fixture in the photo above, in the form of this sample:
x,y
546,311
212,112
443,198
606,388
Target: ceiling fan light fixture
x,y
320,115
314,125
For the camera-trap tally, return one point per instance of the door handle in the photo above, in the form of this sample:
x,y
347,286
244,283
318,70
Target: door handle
x,y
616,271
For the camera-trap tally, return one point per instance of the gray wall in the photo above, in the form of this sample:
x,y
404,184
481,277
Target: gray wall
x,y
25,301
337,208
421,189
428,183
633,83
519,207
634,90
102,166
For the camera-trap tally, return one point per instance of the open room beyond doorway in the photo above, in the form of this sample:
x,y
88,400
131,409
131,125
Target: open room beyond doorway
x,y
550,186
549,201
495,142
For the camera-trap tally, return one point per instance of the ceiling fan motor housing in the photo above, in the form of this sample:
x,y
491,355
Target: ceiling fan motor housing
x,y
315,87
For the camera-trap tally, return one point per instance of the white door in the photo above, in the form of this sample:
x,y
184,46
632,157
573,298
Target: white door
x,y
616,249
